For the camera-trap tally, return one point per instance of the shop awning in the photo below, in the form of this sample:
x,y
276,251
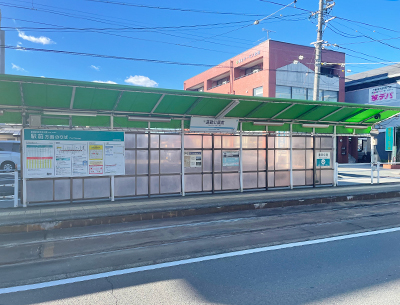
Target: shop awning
x,y
90,104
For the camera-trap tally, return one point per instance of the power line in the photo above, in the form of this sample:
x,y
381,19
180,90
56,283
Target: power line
x,y
174,9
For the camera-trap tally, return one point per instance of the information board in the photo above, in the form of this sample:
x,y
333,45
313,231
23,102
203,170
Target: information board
x,y
389,139
193,159
230,158
323,159
73,153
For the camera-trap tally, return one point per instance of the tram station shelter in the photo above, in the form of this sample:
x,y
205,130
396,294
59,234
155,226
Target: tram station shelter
x,y
89,141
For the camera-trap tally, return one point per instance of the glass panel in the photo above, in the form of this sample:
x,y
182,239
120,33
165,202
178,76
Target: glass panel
x,y
62,189
217,182
282,142
262,142
249,142
309,142
282,159
142,141
330,96
207,183
271,142
309,177
310,95
282,179
271,160
298,142
124,186
170,161
317,142
261,160
299,178
326,176
217,141
230,181
130,162
317,177
96,187
207,160
230,141
261,180
154,185
283,92
154,140
77,185
249,160
193,183
299,93
193,141
326,142
170,184
130,140
250,180
154,162
170,141
258,91
309,159
217,160
207,141
299,159
271,179
142,185
142,162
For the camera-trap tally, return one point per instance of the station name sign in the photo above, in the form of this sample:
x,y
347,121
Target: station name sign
x,y
211,125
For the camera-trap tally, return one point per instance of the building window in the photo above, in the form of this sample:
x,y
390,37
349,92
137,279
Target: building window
x,y
223,81
283,92
258,91
330,96
310,95
252,70
299,93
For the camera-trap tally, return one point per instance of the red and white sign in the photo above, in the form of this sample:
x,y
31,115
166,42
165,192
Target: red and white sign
x,y
380,95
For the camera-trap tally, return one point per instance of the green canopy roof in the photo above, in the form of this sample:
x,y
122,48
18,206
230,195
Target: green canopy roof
x,y
92,104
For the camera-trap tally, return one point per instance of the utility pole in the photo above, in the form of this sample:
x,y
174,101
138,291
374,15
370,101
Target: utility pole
x,y
2,49
319,43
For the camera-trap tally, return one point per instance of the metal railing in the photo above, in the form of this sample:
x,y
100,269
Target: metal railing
x,y
15,185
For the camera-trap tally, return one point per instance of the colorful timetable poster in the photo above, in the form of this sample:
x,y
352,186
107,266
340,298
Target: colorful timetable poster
x,y
39,159
73,153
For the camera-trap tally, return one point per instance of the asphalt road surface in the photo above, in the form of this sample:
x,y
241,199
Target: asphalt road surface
x,y
363,270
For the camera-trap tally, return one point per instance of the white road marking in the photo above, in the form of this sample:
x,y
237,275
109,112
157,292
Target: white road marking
x,y
188,261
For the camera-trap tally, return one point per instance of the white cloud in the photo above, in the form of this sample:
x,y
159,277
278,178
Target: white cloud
x,y
140,80
18,68
97,68
104,82
41,39
20,47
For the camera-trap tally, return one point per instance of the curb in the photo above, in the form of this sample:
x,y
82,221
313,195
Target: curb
x,y
172,213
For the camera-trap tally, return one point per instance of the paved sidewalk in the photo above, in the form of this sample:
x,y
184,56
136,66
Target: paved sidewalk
x,y
47,217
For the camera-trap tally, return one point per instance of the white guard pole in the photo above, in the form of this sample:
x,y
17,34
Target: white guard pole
x,y
291,155
16,188
112,188
183,156
241,158
372,173
24,193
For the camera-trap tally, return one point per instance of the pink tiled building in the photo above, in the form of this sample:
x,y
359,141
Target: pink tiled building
x,y
275,69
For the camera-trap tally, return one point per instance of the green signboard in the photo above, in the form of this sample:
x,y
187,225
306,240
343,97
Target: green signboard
x,y
72,135
389,139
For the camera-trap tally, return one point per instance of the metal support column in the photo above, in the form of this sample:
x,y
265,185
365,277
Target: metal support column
x,y
112,122
183,157
314,165
335,168
148,160
241,159
291,154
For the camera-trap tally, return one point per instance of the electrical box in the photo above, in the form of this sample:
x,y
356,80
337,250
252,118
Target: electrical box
x,y
35,120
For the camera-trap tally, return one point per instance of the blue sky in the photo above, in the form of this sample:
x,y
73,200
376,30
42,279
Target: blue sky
x,y
96,27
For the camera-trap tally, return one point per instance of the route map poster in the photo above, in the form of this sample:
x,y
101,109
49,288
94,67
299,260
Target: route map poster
x,y
73,153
